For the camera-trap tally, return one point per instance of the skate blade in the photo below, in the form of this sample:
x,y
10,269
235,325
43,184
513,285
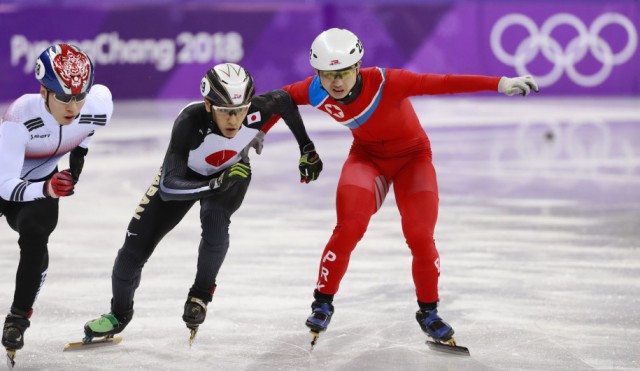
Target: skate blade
x,y
315,336
192,336
11,358
92,343
449,346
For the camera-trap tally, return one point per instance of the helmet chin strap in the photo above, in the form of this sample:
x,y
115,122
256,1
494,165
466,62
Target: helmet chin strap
x,y
46,102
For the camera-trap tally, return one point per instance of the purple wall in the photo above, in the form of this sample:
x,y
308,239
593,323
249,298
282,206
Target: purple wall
x,y
162,51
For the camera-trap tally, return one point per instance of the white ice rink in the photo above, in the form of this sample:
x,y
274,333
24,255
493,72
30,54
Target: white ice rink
x,y
538,235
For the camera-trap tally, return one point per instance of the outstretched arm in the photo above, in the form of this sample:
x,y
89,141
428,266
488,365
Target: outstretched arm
x,y
517,85
406,83
310,164
282,104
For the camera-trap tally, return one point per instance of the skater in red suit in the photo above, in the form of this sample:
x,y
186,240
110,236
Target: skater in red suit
x,y
390,147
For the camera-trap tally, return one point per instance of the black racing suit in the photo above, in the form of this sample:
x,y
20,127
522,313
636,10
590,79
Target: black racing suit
x,y
197,153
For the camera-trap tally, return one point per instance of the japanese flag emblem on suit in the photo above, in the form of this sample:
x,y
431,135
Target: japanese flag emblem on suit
x,y
253,118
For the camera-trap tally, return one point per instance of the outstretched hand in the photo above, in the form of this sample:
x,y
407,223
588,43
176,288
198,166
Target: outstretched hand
x,y
517,85
310,164
235,174
256,143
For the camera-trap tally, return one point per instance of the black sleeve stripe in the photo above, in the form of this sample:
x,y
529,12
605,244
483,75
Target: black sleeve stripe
x,y
89,119
34,124
18,191
103,116
13,193
23,190
100,120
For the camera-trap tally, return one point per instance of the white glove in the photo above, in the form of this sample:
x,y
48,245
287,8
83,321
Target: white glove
x,y
517,85
256,143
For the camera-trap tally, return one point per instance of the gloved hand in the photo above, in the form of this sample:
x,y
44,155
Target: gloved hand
x,y
310,164
517,85
59,185
256,143
235,174
76,162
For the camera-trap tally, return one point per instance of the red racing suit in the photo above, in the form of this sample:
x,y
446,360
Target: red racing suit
x,y
389,147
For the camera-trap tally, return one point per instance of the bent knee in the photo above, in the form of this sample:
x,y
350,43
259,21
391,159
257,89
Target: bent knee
x,y
353,226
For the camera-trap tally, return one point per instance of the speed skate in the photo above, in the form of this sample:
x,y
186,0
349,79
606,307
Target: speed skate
x,y
448,346
90,343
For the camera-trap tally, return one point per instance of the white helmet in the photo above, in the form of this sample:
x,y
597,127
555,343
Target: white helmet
x,y
227,84
335,49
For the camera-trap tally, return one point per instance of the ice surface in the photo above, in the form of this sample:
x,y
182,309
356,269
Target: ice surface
x,y
538,237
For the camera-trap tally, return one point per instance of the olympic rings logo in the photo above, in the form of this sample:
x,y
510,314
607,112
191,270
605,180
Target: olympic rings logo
x,y
588,40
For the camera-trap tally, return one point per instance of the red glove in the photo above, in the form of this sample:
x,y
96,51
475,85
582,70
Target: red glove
x,y
60,185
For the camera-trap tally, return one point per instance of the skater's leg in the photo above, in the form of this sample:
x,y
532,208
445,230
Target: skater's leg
x,y
416,194
215,218
153,219
34,221
361,192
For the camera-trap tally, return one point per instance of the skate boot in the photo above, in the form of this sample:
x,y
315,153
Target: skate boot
x,y
13,331
195,311
13,336
319,319
320,316
107,325
100,331
431,323
440,332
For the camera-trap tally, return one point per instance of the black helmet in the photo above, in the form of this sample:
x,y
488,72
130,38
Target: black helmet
x,y
227,85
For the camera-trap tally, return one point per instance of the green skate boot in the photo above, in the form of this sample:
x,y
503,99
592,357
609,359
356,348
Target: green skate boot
x,y
107,325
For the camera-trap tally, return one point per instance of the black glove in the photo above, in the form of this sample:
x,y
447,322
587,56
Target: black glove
x,y
237,173
310,164
76,162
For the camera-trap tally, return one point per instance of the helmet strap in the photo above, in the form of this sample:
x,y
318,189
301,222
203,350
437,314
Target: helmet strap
x,y
46,101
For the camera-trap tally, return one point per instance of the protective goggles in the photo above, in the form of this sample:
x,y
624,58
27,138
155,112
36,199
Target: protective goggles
x,y
343,74
67,98
235,110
